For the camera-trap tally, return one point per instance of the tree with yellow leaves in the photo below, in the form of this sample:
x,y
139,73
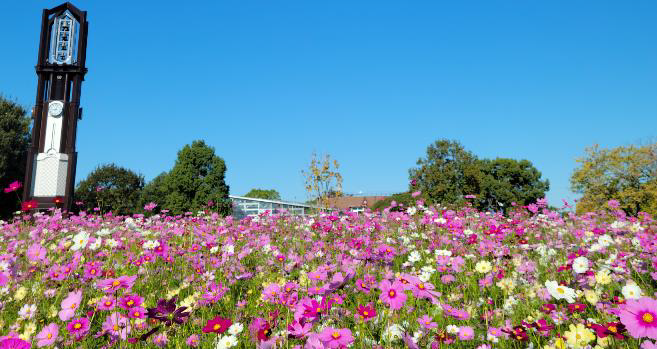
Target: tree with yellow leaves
x,y
322,179
626,174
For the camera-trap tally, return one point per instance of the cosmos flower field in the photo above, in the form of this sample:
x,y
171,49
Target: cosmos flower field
x,y
421,277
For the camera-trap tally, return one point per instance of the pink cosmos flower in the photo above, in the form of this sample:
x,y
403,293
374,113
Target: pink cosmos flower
x,y
648,345
48,335
466,333
640,317
150,206
366,312
13,186
117,326
336,338
106,303
78,327
137,313
271,293
4,279
36,253
297,330
14,343
161,340
392,294
112,285
130,301
193,340
427,322
70,304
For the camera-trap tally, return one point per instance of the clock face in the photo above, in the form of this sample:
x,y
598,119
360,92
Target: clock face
x,y
55,108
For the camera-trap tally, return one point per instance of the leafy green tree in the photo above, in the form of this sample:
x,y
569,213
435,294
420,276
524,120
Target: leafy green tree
x,y
626,174
14,142
155,191
112,188
270,194
447,174
504,181
197,178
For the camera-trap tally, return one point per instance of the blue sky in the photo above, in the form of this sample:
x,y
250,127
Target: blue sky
x,y
373,83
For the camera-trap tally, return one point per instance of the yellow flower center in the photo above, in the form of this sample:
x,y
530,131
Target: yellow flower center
x,y
73,306
612,329
335,334
116,283
420,286
391,293
115,328
647,317
77,326
319,310
136,314
108,303
130,302
93,271
561,290
366,313
49,335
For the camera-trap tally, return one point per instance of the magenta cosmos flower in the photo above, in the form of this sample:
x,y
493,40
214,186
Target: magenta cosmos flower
x,y
48,335
112,285
336,338
69,305
14,343
217,325
640,317
78,327
392,294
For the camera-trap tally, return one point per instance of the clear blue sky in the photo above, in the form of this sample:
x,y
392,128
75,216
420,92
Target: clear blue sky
x,y
373,83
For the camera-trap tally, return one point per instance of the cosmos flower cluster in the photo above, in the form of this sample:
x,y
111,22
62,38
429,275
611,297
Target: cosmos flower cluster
x,y
420,277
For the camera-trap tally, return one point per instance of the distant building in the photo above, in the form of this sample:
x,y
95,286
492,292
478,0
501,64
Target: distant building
x,y
354,203
245,206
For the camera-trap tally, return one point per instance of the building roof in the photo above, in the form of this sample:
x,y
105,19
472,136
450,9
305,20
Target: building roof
x,y
272,201
346,202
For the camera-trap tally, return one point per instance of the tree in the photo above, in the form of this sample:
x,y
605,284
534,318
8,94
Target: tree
x,y
322,179
505,181
155,191
447,174
112,188
271,194
626,174
14,142
197,178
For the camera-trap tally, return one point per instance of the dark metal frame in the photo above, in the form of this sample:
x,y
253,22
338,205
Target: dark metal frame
x,y
51,87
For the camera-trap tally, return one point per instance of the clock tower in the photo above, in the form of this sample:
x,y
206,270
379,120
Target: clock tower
x,y
51,159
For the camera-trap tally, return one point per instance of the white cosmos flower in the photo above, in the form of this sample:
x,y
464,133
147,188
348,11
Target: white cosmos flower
x,y
393,333
80,240
580,265
235,329
560,292
151,244
631,291
96,244
483,267
103,232
605,240
27,311
452,329
111,243
414,257
229,249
